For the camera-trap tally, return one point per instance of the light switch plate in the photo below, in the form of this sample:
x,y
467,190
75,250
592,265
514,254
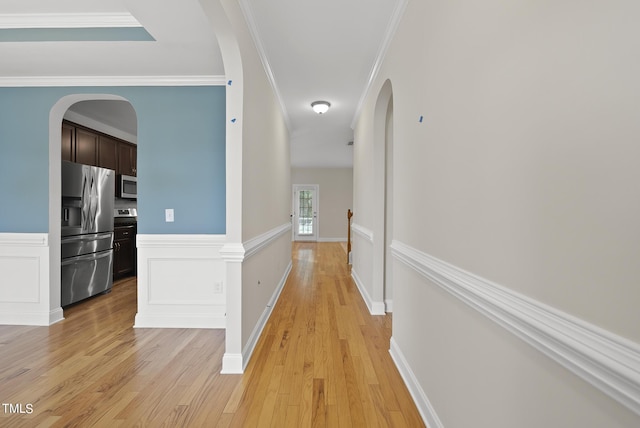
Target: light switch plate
x,y
168,215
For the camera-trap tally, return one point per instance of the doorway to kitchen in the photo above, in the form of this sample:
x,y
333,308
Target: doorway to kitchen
x,y
305,212
104,134
98,133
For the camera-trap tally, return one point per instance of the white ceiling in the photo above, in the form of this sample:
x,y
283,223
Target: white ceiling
x,y
322,50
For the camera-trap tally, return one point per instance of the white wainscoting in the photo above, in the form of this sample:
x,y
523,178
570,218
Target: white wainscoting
x,y
24,280
181,281
607,361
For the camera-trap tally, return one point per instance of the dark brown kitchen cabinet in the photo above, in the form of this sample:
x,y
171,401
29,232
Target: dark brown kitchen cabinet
x,y
124,251
86,147
68,142
89,147
108,153
127,159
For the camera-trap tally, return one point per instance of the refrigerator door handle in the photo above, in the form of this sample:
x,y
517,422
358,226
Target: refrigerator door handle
x,y
85,238
87,257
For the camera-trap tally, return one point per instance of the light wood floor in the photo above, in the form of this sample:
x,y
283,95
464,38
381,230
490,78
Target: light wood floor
x,y
322,360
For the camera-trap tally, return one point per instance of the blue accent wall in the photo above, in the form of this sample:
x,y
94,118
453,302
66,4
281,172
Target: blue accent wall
x,y
181,156
137,34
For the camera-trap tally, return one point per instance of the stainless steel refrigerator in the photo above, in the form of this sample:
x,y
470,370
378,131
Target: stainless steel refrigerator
x,y
87,231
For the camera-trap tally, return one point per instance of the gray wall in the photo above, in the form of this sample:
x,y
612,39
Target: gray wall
x,y
336,197
523,172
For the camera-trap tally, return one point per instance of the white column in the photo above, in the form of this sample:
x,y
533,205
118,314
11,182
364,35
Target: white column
x,y
233,255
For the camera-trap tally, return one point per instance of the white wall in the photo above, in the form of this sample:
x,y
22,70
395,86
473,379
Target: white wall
x,y
524,174
336,197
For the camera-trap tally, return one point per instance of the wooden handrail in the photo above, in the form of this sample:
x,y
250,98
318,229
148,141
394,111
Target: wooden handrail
x,y
349,215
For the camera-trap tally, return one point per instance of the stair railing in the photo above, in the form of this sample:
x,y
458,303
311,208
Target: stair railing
x,y
349,215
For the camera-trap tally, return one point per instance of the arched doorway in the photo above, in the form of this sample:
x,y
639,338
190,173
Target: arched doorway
x,y
388,203
383,177
56,116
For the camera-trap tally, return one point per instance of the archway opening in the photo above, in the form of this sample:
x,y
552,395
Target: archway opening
x,y
99,112
383,158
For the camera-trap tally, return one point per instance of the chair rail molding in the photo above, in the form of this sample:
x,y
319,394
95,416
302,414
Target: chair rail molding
x,y
363,232
254,245
609,362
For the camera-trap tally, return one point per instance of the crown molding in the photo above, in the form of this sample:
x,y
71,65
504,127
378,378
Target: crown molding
x,y
35,81
67,20
247,11
392,27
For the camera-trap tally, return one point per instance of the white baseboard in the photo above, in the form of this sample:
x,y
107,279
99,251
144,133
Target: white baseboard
x,y
388,305
375,308
232,364
247,352
55,316
609,362
178,320
35,318
332,239
425,408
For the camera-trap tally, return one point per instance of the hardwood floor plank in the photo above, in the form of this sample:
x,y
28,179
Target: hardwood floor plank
x,y
281,407
318,404
209,403
353,396
322,360
271,397
293,418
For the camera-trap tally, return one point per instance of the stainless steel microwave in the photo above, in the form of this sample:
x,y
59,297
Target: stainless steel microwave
x,y
127,187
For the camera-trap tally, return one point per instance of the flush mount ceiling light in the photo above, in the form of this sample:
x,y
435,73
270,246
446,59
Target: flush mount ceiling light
x,y
320,106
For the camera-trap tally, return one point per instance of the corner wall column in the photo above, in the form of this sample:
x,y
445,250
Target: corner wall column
x,y
233,255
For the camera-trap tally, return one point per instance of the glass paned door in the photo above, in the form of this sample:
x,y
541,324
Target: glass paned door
x,y
305,212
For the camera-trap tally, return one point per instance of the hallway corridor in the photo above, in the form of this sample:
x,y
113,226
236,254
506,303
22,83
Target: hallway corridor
x,y
321,361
